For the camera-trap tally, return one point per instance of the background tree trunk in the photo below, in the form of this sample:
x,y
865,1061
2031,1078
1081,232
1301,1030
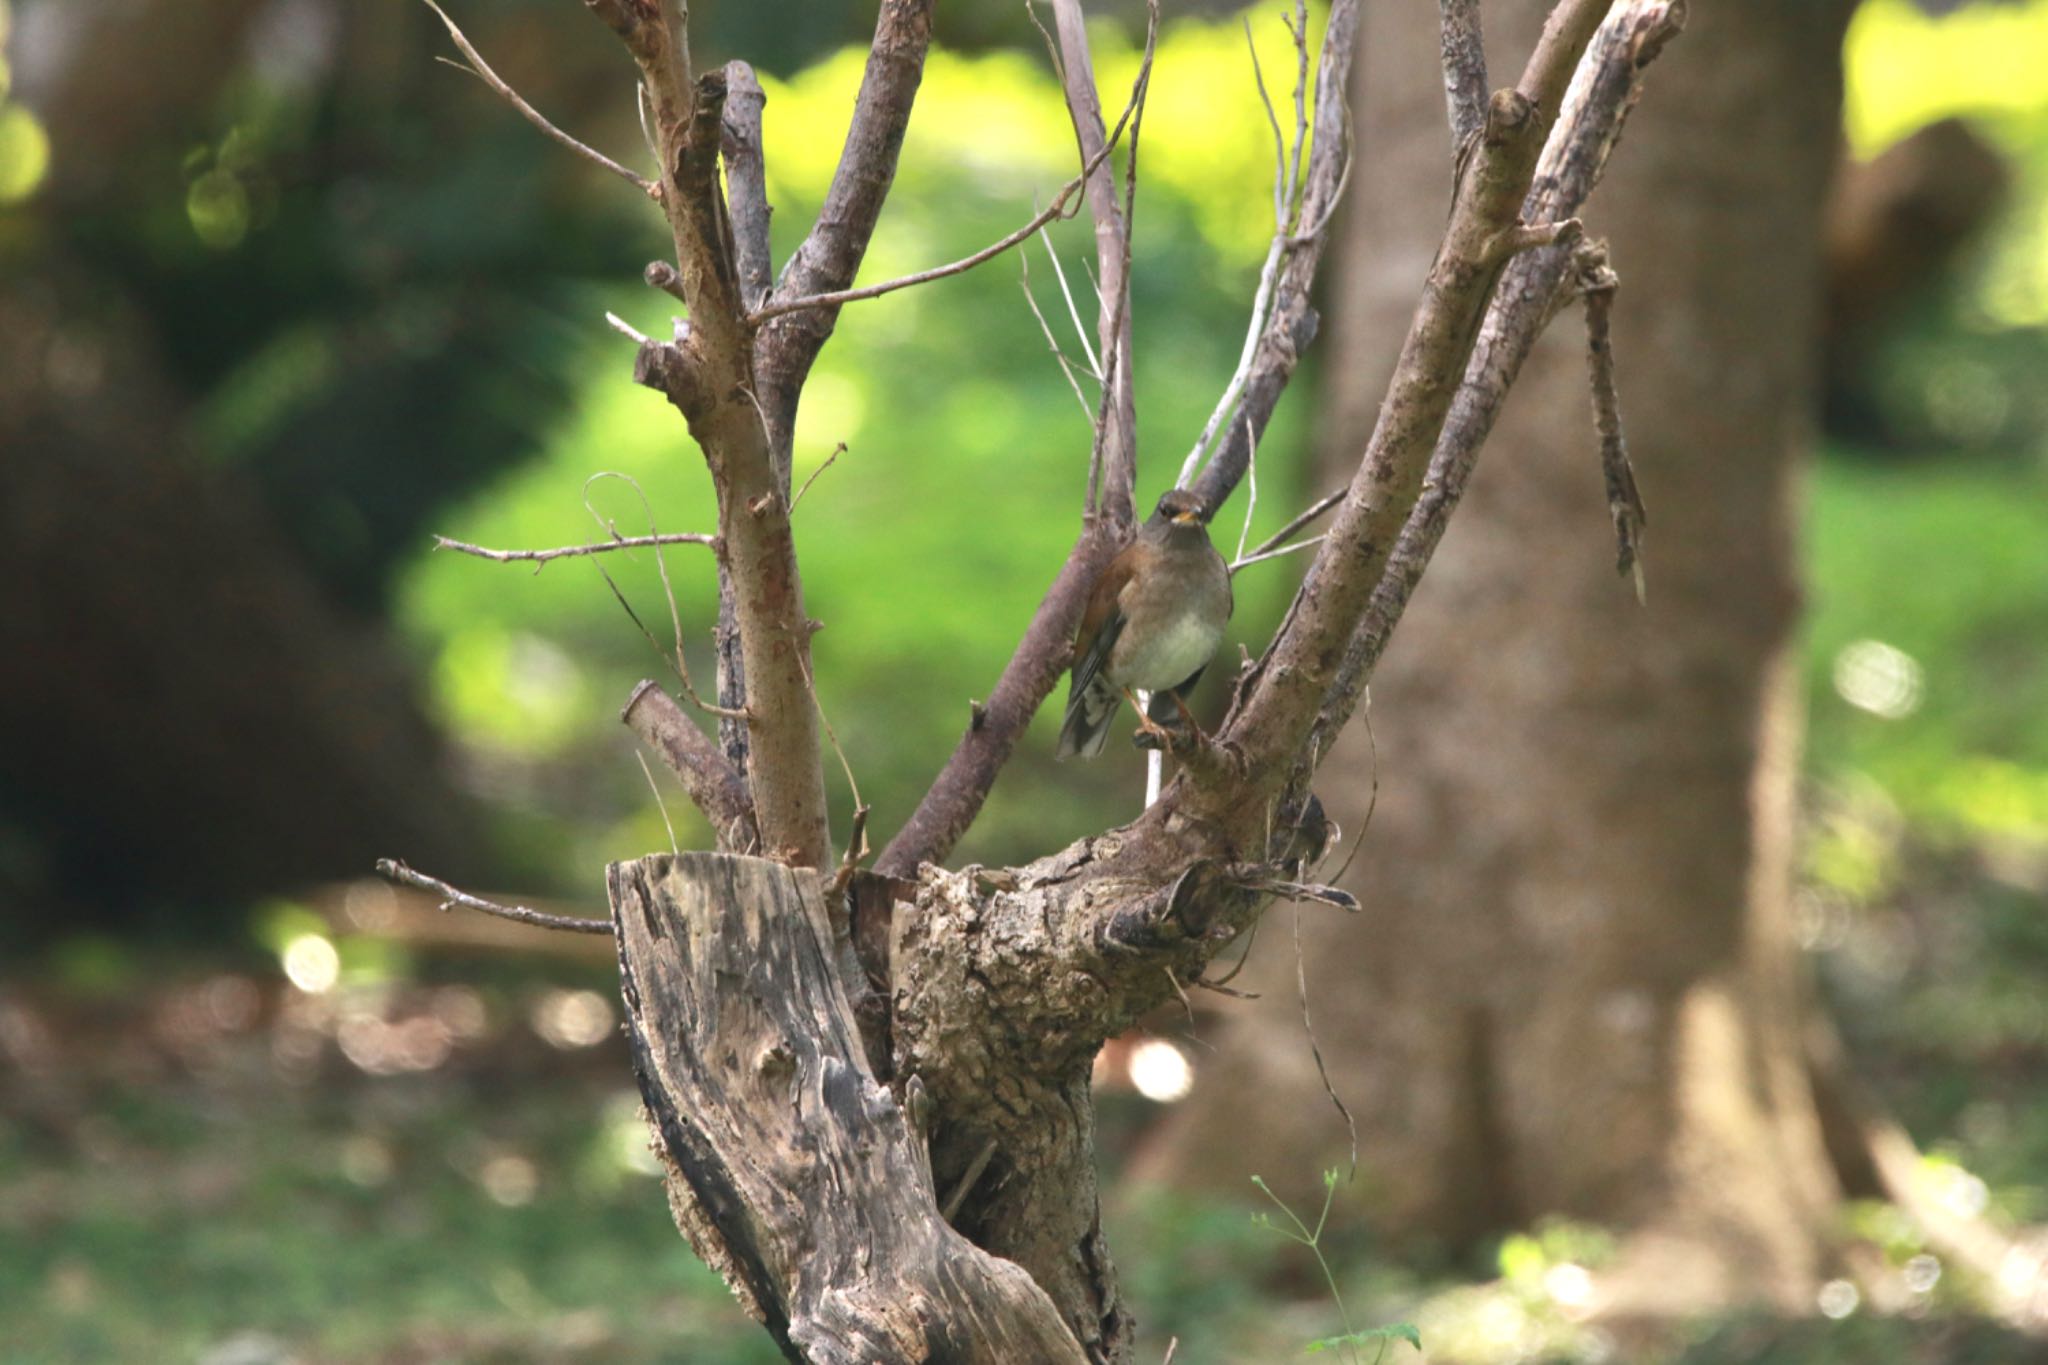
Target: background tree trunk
x,y
1575,989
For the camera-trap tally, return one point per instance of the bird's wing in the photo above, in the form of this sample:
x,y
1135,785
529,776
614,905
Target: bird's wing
x,y
1103,621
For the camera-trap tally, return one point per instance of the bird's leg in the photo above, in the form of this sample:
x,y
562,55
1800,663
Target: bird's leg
x,y
1147,725
1187,718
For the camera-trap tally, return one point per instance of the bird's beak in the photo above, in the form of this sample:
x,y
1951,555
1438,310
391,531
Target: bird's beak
x,y
1187,519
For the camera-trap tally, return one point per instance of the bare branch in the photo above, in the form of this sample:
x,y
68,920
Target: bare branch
x,y
1597,283
1588,126
713,783
938,272
746,182
1464,53
1261,556
1290,322
540,557
1290,703
1117,432
1269,270
1052,342
482,70
956,796
837,451
397,871
829,257
1307,515
625,329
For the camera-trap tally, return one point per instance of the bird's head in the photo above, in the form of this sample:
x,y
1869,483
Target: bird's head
x,y
1181,507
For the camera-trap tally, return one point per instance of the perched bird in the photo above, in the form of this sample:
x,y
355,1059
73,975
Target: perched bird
x,y
1154,619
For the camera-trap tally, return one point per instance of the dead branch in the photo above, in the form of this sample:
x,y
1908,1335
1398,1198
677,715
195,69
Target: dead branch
x,y
1056,209
1117,430
1289,701
837,451
1290,321
1285,211
1261,556
746,183
1304,518
540,558
713,783
1596,283
830,255
1464,56
1588,126
450,896
956,795
818,1204
481,69
1051,341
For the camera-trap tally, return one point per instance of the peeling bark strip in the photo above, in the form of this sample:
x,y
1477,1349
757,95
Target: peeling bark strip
x,y
793,1171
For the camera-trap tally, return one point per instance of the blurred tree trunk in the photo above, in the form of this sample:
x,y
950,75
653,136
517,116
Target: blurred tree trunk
x,y
1574,990
186,716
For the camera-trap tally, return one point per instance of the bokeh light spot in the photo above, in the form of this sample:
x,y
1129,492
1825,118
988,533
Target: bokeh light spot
x,y
1160,1071
312,964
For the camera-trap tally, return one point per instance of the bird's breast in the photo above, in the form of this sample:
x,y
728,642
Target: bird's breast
x,y
1173,654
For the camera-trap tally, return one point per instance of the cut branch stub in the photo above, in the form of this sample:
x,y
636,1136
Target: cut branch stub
x,y
792,1170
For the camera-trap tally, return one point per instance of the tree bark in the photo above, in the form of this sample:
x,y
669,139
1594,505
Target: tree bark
x,y
792,1170
1576,991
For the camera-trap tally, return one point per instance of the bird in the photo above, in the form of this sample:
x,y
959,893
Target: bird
x,y
1154,619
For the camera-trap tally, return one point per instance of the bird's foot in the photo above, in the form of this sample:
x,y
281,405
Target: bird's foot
x,y
1170,739
1152,735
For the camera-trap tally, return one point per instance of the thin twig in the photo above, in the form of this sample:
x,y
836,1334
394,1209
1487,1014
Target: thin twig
x,y
1315,1048
541,557
677,663
1285,210
1262,556
1597,283
833,735
1372,801
959,267
1080,332
967,1178
1251,503
668,592
659,804
394,870
837,451
1309,514
625,328
1051,341
481,69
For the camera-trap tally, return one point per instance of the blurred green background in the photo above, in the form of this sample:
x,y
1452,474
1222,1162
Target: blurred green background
x,y
256,1126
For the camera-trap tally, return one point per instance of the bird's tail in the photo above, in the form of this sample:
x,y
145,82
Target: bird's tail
x,y
1089,713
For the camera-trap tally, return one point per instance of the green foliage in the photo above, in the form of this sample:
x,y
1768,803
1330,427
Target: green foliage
x,y
1397,1331
1295,1230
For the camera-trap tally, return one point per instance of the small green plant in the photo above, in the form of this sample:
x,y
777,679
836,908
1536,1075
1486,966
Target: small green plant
x,y
1351,1338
